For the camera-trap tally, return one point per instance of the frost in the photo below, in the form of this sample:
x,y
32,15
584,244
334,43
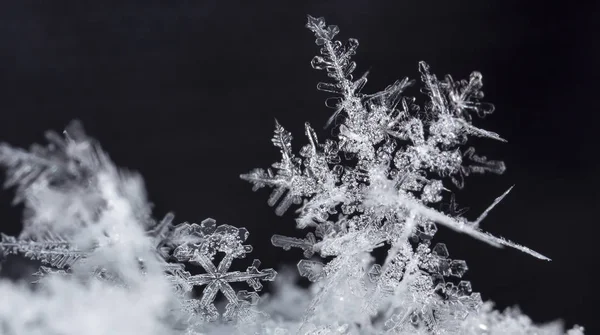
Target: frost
x,y
383,181
110,250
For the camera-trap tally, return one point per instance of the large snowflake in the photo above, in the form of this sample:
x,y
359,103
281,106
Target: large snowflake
x,y
381,182
390,158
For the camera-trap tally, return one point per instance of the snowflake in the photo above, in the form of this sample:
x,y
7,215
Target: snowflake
x,y
379,183
383,166
199,246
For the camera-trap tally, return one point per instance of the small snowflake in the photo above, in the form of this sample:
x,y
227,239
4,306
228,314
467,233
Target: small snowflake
x,y
201,243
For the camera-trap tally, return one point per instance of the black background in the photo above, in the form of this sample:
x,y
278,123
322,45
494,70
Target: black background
x,y
186,93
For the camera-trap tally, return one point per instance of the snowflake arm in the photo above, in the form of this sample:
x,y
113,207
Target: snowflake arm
x,y
288,172
335,59
297,178
489,209
283,140
52,250
403,201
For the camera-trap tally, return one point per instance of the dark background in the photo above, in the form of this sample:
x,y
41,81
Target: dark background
x,y
186,93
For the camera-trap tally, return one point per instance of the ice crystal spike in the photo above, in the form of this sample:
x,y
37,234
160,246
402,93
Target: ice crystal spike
x,y
487,211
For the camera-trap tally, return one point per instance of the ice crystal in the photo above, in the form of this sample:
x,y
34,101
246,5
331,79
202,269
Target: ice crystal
x,y
52,250
382,182
390,157
199,246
